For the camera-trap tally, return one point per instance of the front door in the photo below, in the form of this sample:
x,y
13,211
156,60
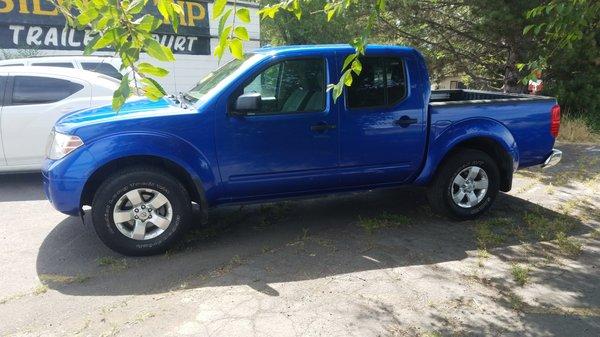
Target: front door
x,y
382,126
290,144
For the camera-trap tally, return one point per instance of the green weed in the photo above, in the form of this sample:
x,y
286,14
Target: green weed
x,y
520,274
384,220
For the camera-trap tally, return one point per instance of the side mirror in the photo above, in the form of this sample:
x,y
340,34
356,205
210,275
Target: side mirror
x,y
248,103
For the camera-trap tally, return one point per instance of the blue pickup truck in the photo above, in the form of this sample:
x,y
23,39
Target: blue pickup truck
x,y
266,128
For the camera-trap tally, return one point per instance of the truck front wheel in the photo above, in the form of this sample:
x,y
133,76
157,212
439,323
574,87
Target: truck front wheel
x,y
141,211
465,186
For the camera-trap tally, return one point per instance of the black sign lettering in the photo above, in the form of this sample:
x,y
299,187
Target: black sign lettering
x,y
37,24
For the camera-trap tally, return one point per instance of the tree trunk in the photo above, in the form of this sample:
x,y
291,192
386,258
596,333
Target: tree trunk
x,y
511,74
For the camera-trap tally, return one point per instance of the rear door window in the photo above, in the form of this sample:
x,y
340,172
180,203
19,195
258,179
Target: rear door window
x,y
53,64
102,68
382,83
41,90
2,88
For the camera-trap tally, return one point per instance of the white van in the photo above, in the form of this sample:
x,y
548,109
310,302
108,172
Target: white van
x,y
100,64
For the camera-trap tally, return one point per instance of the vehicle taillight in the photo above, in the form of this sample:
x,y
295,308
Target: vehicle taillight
x,y
555,120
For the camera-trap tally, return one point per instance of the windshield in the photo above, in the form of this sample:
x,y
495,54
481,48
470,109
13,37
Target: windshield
x,y
212,79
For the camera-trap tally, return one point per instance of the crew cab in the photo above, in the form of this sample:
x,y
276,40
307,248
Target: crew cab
x,y
266,128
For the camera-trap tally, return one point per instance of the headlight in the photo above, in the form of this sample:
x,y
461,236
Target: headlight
x,y
60,145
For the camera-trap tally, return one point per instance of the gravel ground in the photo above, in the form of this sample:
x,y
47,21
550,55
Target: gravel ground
x,y
369,264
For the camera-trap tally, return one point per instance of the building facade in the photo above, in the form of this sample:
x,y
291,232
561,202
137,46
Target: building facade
x,y
34,27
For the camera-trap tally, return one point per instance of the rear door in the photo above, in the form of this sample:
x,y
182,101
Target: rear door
x,y
382,123
290,144
33,104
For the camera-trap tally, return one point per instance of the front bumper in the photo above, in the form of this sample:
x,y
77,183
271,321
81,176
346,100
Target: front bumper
x,y
553,159
64,180
63,194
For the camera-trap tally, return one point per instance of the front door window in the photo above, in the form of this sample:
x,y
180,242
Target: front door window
x,y
291,86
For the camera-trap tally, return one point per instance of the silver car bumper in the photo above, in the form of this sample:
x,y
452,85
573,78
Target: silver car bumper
x,y
553,159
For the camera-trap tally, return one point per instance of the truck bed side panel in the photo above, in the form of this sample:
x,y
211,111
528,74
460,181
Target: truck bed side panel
x,y
528,122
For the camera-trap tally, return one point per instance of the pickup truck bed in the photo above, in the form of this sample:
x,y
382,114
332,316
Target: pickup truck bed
x,y
464,96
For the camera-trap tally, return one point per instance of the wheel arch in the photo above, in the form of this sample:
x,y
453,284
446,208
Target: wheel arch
x,y
492,148
193,186
485,135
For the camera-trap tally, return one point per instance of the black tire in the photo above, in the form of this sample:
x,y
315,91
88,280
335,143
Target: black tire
x,y
115,186
439,192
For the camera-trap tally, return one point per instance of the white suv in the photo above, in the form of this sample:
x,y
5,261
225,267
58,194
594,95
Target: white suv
x,y
32,99
104,65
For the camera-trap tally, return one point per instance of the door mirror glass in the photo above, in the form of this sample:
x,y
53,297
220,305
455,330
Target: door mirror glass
x,y
248,103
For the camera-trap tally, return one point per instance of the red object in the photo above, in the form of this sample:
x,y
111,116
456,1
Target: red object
x,y
555,120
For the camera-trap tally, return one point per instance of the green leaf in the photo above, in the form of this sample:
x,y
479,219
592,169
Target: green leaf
x,y
88,16
269,11
338,89
147,23
162,5
89,48
149,69
136,6
348,78
121,94
349,59
218,8
152,89
243,14
223,42
106,39
223,21
356,67
527,29
157,50
241,33
236,48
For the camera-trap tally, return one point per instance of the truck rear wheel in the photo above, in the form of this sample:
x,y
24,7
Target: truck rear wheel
x,y
141,211
465,186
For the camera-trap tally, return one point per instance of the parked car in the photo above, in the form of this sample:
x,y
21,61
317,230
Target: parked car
x,y
265,128
99,64
32,99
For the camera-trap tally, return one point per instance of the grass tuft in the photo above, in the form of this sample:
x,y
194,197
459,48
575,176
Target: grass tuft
x,y
384,220
576,130
520,274
492,232
568,245
109,261
62,279
41,289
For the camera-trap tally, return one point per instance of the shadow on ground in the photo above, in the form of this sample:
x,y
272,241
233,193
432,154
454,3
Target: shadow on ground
x,y
21,187
274,243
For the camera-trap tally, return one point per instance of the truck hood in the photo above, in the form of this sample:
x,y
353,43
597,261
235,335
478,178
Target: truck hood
x,y
133,109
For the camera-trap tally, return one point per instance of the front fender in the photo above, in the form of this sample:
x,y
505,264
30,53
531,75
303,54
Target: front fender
x,y
159,145
444,139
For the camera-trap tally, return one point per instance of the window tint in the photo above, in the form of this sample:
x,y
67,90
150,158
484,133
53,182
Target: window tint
x,y
291,86
102,68
381,83
50,64
39,90
2,86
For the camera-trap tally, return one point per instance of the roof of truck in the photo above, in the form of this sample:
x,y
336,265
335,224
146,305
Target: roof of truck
x,y
329,47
